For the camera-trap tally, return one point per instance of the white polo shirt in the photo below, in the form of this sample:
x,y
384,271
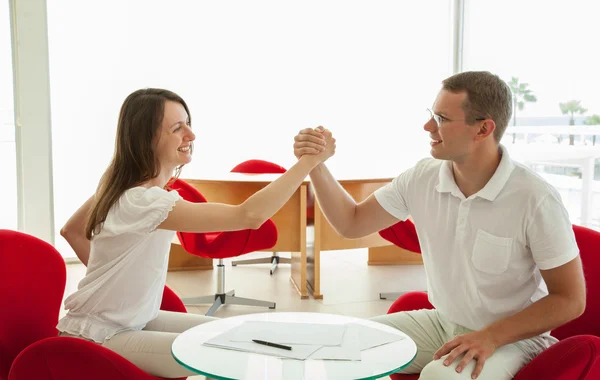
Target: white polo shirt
x,y
483,254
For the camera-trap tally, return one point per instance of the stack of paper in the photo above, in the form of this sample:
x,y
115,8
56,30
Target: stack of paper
x,y
307,340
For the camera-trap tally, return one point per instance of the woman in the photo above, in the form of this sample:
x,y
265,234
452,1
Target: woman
x,y
123,232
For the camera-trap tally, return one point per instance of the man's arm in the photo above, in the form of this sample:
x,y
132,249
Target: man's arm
x,y
349,219
565,301
74,231
550,236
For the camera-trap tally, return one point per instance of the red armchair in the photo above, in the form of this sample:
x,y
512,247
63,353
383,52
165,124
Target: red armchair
x,y
577,354
404,235
261,167
172,302
69,358
32,284
221,245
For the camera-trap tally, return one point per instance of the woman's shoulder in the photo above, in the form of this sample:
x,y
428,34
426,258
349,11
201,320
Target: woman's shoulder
x,y
141,194
137,199
141,208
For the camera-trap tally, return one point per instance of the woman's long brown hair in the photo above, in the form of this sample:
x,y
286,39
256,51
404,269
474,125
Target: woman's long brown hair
x,y
134,161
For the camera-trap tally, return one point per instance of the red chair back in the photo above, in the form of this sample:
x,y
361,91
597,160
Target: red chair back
x,y
189,241
32,284
69,358
403,234
172,302
219,245
266,167
187,191
588,323
258,167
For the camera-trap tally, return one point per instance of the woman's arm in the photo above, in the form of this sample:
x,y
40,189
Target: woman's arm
x,y
213,217
74,231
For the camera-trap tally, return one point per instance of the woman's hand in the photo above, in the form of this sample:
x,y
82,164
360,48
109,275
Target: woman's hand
x,y
315,144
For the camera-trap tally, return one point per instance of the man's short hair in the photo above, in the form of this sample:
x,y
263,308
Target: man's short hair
x,y
488,97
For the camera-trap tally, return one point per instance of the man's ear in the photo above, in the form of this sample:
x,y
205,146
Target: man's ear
x,y
486,128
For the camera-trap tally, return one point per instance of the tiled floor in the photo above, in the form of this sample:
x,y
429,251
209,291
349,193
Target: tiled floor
x,y
350,287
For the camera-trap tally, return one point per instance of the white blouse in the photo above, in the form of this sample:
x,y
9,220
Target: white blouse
x,y
127,269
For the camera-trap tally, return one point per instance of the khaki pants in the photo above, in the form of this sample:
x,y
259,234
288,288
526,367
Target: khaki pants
x,y
150,348
430,330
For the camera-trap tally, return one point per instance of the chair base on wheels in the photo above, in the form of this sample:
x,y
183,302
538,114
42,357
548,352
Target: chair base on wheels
x,y
221,298
274,260
228,298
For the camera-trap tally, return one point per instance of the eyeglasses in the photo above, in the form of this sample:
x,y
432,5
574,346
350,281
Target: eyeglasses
x,y
441,119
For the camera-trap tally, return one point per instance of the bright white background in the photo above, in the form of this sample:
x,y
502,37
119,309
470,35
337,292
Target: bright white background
x,y
255,72
552,45
252,72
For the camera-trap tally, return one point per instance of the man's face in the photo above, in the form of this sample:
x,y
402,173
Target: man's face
x,y
453,139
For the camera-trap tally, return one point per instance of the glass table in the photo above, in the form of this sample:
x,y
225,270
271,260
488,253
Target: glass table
x,y
219,363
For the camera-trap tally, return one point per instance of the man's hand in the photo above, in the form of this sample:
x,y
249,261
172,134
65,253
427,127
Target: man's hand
x,y
478,345
318,141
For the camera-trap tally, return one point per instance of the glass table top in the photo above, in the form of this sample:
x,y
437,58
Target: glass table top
x,y
219,363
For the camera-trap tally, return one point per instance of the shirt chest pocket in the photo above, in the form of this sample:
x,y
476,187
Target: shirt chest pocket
x,y
491,254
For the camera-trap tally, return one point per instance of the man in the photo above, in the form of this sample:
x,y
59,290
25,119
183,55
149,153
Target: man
x,y
503,267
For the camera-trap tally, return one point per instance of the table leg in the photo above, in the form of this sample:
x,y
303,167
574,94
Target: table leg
x,y
313,261
298,271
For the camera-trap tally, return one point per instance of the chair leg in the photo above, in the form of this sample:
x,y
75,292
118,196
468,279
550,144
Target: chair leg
x,y
233,300
198,300
215,306
391,295
276,260
221,297
264,260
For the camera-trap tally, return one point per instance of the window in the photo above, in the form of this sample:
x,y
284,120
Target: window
x,y
554,54
253,74
8,169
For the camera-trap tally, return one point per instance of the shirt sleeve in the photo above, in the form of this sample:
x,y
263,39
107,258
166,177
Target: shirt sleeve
x,y
141,210
393,197
550,234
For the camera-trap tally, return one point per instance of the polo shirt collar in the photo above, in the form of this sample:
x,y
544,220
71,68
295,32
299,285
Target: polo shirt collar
x,y
490,191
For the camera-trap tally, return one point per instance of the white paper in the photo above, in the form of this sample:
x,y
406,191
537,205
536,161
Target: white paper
x,y
348,350
353,339
356,339
299,351
289,333
224,340
370,337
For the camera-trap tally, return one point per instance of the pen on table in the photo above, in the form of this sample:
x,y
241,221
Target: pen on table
x,y
271,344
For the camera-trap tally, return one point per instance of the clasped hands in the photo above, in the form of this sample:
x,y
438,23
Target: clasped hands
x,y
317,143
